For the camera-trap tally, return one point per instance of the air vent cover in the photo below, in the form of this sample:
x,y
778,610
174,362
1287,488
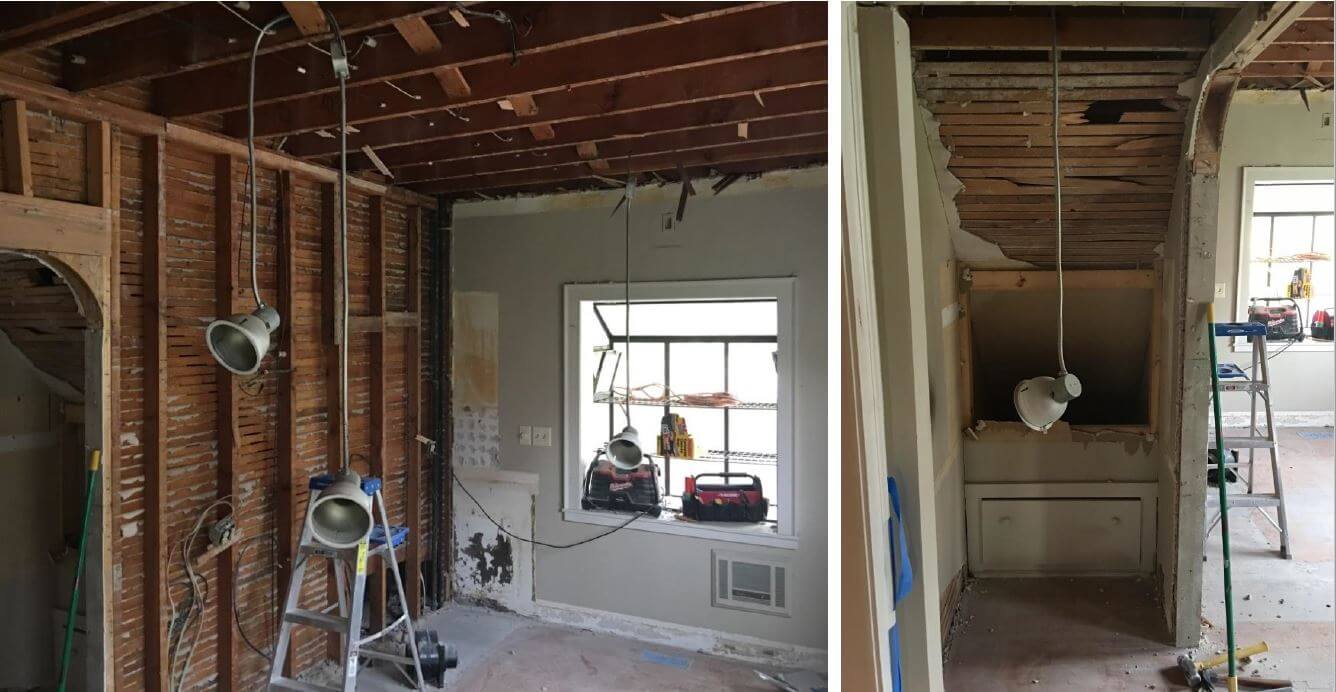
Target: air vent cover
x,y
748,582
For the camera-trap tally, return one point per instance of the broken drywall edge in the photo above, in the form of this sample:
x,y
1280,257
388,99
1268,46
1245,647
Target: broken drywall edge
x,y
967,246
735,646
1012,431
811,177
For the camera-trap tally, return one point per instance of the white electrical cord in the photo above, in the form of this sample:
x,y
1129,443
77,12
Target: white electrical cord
x,y
250,151
1057,175
343,229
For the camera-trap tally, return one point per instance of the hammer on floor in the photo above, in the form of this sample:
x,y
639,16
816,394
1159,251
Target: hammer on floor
x,y
1197,674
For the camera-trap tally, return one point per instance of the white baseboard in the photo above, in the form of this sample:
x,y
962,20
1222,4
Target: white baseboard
x,y
735,646
1284,419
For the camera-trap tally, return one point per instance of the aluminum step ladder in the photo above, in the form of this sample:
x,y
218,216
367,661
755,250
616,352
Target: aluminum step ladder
x,y
348,620
1258,388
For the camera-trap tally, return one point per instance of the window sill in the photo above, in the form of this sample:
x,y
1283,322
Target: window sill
x,y
751,534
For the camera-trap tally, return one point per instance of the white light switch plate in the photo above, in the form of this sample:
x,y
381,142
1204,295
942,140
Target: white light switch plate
x,y
526,436
542,437
1220,290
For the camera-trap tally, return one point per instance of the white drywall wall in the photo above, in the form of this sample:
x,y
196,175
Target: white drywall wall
x,y
939,278
526,258
1271,129
491,567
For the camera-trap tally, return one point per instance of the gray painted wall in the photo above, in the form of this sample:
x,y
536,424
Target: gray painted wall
x,y
1271,129
527,258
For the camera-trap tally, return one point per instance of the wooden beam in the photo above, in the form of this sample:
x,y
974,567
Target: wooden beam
x,y
418,34
554,26
331,301
379,437
35,223
49,24
745,151
413,411
771,74
98,144
1298,53
1036,33
154,178
521,105
308,17
91,109
113,62
287,516
766,30
226,302
616,149
1027,280
1313,33
17,155
453,83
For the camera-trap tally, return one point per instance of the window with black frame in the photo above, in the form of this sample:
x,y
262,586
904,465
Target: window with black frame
x,y
710,364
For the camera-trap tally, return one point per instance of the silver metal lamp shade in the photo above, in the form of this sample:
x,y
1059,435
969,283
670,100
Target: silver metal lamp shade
x,y
341,516
239,342
1041,401
624,449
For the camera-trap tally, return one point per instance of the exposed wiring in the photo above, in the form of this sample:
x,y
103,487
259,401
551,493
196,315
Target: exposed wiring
x,y
1057,193
236,577
339,53
629,194
196,599
522,539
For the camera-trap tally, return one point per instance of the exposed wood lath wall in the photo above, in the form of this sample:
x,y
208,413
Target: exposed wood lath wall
x,y
39,314
985,75
160,483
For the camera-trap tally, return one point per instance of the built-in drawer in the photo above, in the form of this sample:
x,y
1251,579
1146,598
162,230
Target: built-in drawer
x,y
1037,529
1061,535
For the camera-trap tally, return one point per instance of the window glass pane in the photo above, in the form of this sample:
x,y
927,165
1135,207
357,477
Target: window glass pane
x,y
696,368
706,427
1261,236
688,318
751,372
1272,197
1292,235
1324,236
752,431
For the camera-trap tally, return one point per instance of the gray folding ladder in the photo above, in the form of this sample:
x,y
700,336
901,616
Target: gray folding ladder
x,y
1258,387
348,622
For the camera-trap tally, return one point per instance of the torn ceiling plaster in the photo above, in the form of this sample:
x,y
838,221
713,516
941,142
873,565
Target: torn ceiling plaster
x,y
970,249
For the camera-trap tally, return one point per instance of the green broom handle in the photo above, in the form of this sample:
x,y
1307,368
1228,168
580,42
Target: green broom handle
x,y
1224,507
93,466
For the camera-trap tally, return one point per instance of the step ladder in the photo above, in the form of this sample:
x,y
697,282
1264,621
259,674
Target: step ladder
x,y
1258,388
348,620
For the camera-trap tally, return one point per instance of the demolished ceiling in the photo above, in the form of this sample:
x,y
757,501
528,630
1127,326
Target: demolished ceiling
x,y
465,98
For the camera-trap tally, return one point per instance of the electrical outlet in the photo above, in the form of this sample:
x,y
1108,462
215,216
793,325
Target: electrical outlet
x,y
526,436
542,437
1220,290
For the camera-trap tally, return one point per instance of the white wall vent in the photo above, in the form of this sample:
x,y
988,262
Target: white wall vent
x,y
747,582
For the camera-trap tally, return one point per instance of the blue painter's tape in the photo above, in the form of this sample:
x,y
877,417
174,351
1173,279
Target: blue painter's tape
x,y
665,660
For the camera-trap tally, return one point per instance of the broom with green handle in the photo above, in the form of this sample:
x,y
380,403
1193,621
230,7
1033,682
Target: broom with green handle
x,y
94,465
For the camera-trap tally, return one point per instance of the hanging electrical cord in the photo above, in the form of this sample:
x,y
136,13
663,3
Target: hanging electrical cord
x,y
1057,194
630,192
250,153
532,541
339,53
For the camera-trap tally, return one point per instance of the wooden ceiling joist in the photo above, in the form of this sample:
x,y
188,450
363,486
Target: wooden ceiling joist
x,y
26,26
614,150
176,43
790,102
1036,33
743,152
740,79
487,41
763,31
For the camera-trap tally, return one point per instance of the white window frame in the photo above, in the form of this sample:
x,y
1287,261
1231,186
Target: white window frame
x,y
784,291
1251,176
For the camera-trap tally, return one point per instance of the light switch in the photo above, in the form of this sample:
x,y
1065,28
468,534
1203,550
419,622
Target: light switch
x,y
542,437
1220,290
526,436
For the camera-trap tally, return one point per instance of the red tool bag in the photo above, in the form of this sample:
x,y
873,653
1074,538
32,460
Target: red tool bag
x,y
727,501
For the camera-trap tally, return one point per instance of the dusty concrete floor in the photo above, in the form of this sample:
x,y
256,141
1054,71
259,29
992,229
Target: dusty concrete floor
x,y
499,652
1101,635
